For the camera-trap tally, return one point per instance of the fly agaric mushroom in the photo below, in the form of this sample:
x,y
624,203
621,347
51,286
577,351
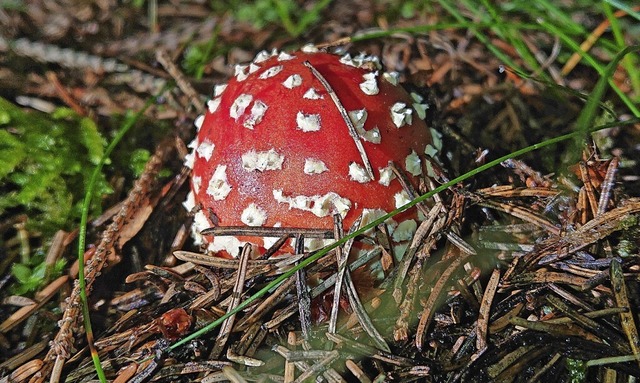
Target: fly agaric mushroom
x,y
295,138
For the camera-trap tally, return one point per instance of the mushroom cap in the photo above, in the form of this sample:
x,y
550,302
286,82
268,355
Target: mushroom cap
x,y
274,150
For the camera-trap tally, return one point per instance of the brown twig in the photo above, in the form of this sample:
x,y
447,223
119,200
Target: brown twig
x,y
430,304
184,85
483,315
236,296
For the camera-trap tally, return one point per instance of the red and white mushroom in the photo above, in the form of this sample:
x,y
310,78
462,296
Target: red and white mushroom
x,y
295,138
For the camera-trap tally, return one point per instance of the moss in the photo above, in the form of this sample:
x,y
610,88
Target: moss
x,y
45,163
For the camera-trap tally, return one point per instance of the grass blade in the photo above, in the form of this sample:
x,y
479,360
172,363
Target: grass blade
x,y
82,235
588,114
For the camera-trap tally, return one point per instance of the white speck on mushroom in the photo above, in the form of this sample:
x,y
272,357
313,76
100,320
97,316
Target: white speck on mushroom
x,y
239,105
401,198
261,161
359,117
340,205
205,149
190,202
198,122
419,106
200,222
308,122
370,84
312,94
218,89
284,56
347,60
274,70
358,173
314,166
253,68
386,175
309,48
313,244
270,241
362,59
258,110
213,105
437,140
405,230
435,146
430,150
253,215
392,77
261,56
190,158
370,215
413,164
292,81
431,172
219,187
196,182
241,72
421,109
372,135
230,244
400,114
320,205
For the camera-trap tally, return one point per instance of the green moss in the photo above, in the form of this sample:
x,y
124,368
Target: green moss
x,y
45,163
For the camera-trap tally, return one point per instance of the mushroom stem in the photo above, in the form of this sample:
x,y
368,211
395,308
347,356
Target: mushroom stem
x,y
345,116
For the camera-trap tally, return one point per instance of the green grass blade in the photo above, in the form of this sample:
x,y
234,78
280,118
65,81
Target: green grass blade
x,y
630,62
590,110
596,65
622,6
82,235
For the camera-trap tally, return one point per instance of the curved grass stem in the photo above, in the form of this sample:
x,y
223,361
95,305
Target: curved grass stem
x,y
82,235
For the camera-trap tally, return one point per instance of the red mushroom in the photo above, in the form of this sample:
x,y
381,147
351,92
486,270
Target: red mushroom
x,y
295,138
